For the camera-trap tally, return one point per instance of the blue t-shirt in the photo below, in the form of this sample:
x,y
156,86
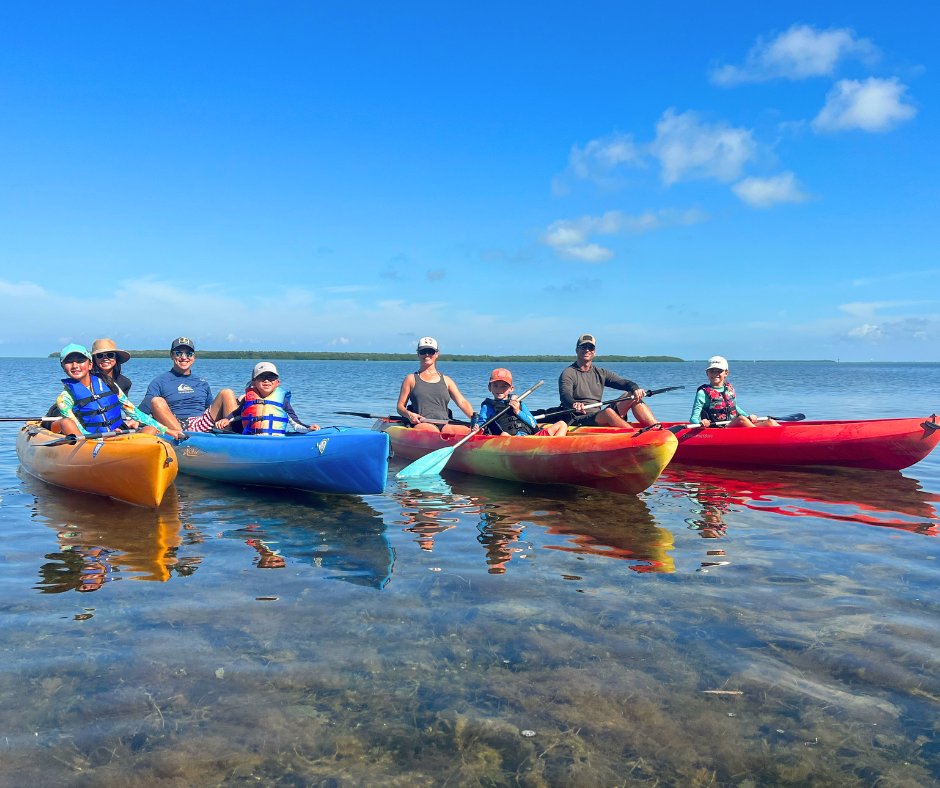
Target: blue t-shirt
x,y
186,395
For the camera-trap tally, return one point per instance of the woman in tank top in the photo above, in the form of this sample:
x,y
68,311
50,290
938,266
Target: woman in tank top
x,y
425,394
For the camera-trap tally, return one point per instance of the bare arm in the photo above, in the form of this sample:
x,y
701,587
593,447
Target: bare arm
x,y
459,399
402,407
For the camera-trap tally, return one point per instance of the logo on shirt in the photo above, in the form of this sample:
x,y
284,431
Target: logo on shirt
x,y
184,388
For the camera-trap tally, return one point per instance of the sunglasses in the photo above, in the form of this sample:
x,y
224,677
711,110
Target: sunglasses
x,y
76,360
715,371
183,353
586,346
267,377
109,354
426,351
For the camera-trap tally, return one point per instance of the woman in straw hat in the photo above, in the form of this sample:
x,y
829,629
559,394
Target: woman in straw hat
x,y
107,363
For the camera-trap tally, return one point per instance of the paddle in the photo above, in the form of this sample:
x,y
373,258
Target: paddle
x,y
548,413
76,439
791,417
397,418
433,463
30,418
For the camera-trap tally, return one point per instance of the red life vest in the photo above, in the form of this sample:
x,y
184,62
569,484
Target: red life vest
x,y
719,405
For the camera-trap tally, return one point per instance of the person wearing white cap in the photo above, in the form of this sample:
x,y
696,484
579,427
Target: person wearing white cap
x,y
264,408
425,395
715,401
581,386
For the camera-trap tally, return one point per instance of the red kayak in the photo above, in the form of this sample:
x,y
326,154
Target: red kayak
x,y
881,444
626,460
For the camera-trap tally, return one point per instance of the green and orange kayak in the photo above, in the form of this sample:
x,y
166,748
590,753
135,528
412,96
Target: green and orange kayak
x,y
879,444
627,461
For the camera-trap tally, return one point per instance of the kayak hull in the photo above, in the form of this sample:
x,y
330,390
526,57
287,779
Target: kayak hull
x,y
626,461
134,468
878,444
330,460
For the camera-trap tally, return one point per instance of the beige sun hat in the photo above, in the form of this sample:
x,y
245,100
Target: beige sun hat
x,y
104,345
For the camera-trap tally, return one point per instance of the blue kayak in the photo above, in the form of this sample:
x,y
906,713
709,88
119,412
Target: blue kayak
x,y
330,460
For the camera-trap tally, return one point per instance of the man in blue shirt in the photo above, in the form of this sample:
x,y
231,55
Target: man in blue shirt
x,y
180,400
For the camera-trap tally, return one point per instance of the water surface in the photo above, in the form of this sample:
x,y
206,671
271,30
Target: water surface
x,y
762,627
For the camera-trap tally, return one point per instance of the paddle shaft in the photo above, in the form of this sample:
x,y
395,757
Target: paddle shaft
x,y
791,417
650,393
73,439
396,418
30,418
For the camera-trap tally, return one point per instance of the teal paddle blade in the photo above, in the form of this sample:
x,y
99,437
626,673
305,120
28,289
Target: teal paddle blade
x,y
428,465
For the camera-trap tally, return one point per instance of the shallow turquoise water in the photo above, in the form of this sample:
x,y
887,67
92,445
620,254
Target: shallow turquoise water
x,y
722,628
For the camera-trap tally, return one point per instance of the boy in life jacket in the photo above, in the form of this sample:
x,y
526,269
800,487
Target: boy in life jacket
x,y
89,406
715,401
264,408
514,417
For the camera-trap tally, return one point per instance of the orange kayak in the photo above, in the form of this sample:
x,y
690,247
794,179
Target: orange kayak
x,y
134,468
628,461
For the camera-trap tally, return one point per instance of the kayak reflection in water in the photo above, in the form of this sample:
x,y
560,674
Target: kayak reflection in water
x,y
501,537
715,401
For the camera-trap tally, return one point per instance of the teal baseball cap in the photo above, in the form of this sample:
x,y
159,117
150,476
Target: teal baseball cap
x,y
72,349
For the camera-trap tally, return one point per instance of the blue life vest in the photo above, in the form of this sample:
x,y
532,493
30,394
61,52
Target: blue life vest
x,y
98,409
265,416
719,405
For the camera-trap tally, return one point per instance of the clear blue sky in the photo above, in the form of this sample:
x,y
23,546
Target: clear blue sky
x,y
757,180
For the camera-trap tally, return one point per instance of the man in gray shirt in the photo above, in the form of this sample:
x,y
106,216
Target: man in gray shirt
x,y
582,385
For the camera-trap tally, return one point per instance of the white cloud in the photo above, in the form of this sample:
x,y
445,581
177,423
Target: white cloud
x,y
598,160
799,53
600,156
570,238
766,192
872,105
688,148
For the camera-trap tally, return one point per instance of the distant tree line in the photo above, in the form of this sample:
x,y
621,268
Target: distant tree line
x,y
271,355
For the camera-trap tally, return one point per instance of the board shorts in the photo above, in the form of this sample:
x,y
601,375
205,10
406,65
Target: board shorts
x,y
201,423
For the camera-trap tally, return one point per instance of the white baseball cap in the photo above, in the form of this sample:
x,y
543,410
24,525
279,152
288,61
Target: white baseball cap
x,y
430,342
263,366
717,362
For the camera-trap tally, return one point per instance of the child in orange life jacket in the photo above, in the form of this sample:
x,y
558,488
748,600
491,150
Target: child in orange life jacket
x,y
264,408
515,418
715,401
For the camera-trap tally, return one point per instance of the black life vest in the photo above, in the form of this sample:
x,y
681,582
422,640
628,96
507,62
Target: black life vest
x,y
506,422
719,405
98,408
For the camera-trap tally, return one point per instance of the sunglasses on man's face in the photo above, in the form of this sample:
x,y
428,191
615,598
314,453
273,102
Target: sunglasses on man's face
x,y
267,377
586,346
102,356
76,360
426,351
183,353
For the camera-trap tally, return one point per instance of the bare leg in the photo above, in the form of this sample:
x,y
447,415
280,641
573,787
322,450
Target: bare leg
x,y
557,430
65,427
223,404
610,418
162,413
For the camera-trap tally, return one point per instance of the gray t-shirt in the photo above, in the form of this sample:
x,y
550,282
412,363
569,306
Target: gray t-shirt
x,y
575,385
